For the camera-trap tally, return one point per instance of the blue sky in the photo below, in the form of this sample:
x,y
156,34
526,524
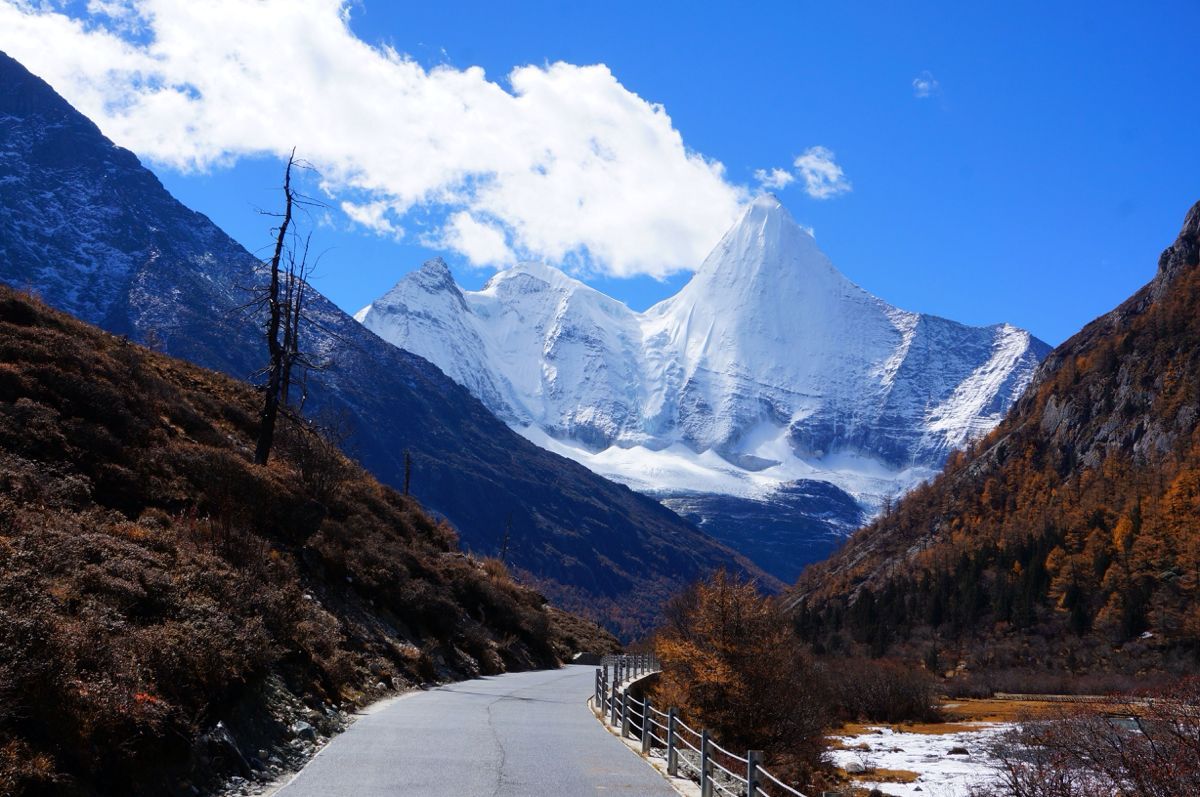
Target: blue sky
x,y
1050,160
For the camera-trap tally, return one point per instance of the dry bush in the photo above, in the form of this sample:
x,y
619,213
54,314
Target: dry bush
x,y
495,568
880,690
1153,750
314,448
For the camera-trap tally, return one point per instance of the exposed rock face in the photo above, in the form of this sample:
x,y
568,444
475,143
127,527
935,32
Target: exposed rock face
x,y
1181,255
1114,414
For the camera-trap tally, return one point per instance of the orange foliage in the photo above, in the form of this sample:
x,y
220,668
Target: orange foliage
x,y
732,664
1078,517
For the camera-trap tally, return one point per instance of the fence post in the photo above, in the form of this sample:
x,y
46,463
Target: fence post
x,y
612,718
705,773
672,753
625,714
753,759
647,725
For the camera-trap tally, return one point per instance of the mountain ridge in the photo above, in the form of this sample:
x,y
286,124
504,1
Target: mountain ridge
x,y
96,234
767,370
1066,538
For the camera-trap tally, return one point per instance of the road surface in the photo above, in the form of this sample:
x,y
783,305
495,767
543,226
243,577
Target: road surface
x,y
518,735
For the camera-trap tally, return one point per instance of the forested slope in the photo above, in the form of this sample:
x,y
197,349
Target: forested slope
x,y
1070,536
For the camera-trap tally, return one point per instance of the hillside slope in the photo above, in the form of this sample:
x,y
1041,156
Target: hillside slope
x,y
96,234
1070,535
155,583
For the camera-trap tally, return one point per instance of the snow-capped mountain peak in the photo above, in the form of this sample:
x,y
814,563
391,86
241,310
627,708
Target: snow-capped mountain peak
x,y
434,275
769,367
767,304
765,246
767,334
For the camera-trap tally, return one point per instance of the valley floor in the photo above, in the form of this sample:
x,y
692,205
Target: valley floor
x,y
940,759
917,763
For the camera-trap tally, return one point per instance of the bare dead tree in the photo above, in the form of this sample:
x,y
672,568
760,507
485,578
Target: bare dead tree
x,y
285,301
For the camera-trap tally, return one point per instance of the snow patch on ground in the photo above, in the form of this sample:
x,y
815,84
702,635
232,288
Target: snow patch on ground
x,y
941,774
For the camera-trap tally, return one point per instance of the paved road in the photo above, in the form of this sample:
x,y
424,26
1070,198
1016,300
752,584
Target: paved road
x,y
519,735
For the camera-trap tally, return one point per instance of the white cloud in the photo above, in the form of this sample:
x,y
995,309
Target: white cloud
x,y
823,178
482,243
925,85
563,162
773,178
373,216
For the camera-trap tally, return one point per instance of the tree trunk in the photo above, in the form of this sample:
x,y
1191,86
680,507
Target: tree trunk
x,y
275,350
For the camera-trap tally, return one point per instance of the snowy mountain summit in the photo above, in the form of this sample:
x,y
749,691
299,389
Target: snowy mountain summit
x,y
767,371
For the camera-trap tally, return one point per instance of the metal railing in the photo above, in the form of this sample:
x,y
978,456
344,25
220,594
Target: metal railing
x,y
689,753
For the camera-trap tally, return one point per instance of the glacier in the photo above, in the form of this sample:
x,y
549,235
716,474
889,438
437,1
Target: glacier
x,y
769,375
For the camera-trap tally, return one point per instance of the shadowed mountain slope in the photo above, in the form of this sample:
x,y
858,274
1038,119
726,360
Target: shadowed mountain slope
x,y
168,609
94,233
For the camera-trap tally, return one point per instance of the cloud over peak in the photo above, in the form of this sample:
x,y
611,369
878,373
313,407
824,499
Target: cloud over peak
x,y
823,178
560,162
774,178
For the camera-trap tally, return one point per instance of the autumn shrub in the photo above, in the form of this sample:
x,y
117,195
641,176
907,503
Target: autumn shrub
x,y
880,690
732,664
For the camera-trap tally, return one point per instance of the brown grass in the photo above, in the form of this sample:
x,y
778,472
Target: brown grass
x,y
894,776
925,728
152,578
962,716
991,710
